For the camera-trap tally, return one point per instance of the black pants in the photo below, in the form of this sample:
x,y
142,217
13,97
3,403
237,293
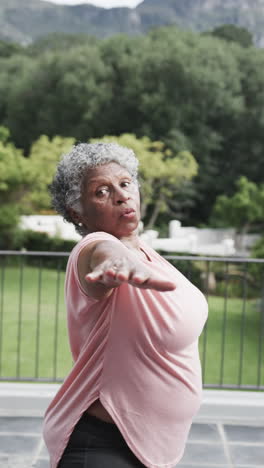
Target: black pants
x,y
97,444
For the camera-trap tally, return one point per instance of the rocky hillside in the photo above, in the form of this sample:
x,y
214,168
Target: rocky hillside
x,y
25,20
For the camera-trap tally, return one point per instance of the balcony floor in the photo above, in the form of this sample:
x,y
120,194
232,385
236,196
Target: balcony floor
x,y
213,445
214,441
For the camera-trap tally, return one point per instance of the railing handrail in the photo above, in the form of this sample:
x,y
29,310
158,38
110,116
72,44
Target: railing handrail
x,y
215,259
231,259
34,253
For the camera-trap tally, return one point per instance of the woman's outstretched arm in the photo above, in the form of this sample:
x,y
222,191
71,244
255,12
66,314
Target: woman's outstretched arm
x,y
105,265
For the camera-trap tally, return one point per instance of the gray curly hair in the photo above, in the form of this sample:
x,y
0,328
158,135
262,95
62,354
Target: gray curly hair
x,y
66,186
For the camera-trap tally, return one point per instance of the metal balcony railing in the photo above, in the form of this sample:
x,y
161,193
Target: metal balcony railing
x,y
33,333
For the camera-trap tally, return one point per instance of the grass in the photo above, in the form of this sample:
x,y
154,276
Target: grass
x,y
38,347
34,341
233,343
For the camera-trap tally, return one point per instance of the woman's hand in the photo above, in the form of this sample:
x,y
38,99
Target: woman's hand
x,y
105,265
112,272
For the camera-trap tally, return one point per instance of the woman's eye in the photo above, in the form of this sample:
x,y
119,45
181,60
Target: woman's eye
x,y
101,192
125,184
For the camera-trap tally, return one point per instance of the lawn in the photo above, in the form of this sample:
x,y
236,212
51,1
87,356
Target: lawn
x,y
34,334
231,346
34,342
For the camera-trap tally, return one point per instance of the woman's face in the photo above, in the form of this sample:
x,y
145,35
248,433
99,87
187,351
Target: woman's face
x,y
110,201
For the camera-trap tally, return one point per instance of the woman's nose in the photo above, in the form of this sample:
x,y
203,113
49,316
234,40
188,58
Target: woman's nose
x,y
121,195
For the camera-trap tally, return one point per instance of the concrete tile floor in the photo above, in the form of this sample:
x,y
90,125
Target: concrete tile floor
x,y
210,445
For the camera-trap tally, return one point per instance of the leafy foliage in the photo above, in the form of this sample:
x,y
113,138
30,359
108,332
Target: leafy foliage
x,y
257,269
43,158
9,48
243,208
258,249
233,33
15,178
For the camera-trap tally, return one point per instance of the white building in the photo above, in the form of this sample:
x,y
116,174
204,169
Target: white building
x,y
200,241
52,225
192,240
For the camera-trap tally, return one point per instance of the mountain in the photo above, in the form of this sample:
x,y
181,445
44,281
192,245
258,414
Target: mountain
x,y
26,20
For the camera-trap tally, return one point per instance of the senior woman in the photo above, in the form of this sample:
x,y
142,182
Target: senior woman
x,y
133,323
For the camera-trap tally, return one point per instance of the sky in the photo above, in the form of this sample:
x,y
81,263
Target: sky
x,y
100,3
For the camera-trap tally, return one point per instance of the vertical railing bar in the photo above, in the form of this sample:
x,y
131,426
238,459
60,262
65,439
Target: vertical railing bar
x,y
242,328
19,328
222,353
261,335
2,311
205,328
189,271
38,318
56,320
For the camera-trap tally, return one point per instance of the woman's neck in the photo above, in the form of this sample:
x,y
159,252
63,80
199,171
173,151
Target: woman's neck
x,y
131,241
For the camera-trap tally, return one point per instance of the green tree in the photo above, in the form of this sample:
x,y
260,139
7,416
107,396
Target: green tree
x,y
161,173
4,135
13,73
257,269
44,156
244,209
244,143
15,179
233,33
192,85
68,100
124,58
8,48
58,42
258,250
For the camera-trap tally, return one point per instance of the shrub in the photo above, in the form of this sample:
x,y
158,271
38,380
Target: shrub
x,y
41,242
257,269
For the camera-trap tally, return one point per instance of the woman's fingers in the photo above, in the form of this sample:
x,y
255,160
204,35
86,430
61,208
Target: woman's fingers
x,y
152,282
123,274
119,271
109,274
161,285
138,278
148,280
113,274
95,275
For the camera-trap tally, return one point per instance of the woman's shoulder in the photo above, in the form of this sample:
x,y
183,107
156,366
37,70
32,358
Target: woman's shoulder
x,y
91,238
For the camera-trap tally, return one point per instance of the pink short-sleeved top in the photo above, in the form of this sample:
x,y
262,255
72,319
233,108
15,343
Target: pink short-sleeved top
x,y
137,351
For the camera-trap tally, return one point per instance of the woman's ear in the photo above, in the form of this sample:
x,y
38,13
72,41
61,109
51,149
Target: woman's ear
x,y
76,217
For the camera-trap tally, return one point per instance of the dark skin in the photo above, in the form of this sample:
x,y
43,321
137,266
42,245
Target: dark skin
x,y
111,203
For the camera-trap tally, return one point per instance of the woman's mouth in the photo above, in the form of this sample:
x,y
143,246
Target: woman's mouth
x,y
128,213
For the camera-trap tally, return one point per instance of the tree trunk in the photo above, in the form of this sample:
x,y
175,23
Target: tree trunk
x,y
154,215
143,209
239,236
